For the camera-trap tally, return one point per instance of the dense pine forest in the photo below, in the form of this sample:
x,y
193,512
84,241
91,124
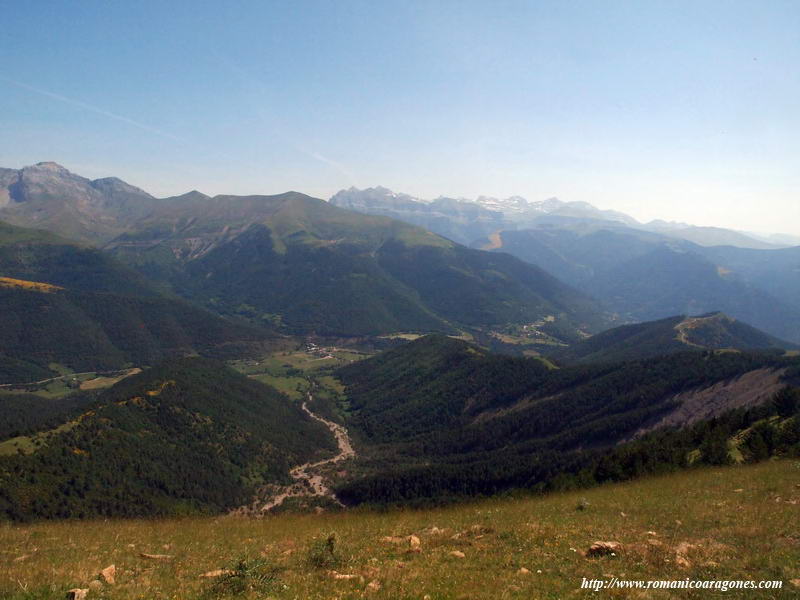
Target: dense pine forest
x,y
443,419
189,436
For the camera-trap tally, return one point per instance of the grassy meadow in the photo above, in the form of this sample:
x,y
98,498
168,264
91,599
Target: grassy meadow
x,y
289,372
726,523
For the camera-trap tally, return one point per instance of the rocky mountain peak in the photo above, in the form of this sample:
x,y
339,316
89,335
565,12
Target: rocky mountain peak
x,y
48,166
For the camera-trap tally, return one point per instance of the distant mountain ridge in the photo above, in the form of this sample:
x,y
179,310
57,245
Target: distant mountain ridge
x,y
461,219
47,195
712,236
640,272
383,275
513,207
290,261
643,276
466,220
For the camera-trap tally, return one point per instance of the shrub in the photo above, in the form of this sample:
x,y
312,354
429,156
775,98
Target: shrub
x,y
245,575
322,553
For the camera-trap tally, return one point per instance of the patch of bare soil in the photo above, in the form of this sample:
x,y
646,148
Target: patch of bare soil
x,y
751,389
495,242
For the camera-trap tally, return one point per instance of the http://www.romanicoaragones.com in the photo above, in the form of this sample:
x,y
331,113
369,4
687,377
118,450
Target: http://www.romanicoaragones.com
x,y
678,584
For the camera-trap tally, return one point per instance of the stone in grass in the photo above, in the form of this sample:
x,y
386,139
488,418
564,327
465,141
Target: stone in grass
x,y
77,594
108,574
458,554
393,539
523,571
603,549
682,555
342,576
374,586
480,530
414,544
217,573
434,531
155,556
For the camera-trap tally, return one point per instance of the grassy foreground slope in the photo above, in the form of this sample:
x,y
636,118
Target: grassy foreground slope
x,y
733,523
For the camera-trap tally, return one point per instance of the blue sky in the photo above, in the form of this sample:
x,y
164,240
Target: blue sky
x,y
678,110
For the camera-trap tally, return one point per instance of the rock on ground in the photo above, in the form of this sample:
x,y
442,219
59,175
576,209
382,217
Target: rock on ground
x,y
109,574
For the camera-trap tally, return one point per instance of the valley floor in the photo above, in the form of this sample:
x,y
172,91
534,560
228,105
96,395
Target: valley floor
x,y
732,523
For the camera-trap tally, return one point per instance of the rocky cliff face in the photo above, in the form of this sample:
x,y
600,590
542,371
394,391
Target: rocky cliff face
x,y
48,196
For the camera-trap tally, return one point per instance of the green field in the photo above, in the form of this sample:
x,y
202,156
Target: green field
x,y
289,371
61,386
733,523
27,444
294,387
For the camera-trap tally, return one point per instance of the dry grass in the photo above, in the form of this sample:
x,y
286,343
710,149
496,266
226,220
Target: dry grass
x,y
33,286
101,382
699,527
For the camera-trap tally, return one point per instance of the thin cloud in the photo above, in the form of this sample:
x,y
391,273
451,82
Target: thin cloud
x,y
274,127
95,109
343,170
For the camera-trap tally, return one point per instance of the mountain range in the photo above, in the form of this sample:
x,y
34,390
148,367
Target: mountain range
x,y
641,276
295,263
638,272
99,275
466,220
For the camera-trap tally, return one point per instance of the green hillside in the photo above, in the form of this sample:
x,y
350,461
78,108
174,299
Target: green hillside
x,y
439,417
87,331
305,288
645,276
187,436
37,255
65,303
654,285
675,334
307,266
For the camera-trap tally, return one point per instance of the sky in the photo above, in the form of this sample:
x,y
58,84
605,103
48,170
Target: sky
x,y
686,111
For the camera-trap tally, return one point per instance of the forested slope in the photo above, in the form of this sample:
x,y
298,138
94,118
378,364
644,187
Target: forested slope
x,y
441,417
187,436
